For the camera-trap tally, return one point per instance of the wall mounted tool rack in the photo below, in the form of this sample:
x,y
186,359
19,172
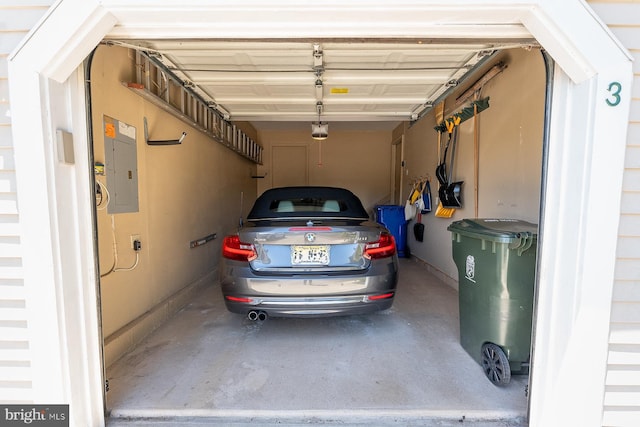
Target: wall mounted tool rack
x,y
160,86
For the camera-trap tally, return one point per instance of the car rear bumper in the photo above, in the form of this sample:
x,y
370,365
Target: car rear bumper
x,y
309,295
311,307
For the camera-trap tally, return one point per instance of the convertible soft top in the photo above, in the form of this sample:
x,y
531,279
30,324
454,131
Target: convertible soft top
x,y
307,202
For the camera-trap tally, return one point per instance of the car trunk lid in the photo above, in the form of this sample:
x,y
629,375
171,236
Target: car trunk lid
x,y
311,249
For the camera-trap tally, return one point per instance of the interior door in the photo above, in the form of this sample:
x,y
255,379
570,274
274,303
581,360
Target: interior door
x,y
289,166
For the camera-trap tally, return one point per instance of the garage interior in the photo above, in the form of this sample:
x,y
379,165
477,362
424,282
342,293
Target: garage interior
x,y
382,101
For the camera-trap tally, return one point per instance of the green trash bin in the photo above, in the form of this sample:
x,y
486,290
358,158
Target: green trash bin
x,y
496,260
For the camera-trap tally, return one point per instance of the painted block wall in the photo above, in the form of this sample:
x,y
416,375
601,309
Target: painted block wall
x,y
186,192
510,156
357,160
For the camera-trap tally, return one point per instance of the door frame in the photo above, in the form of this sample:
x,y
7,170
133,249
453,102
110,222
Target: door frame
x,y
397,150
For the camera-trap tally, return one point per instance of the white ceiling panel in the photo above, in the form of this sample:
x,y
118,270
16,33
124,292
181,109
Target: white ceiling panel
x,y
353,80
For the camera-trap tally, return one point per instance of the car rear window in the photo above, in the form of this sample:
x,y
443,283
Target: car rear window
x,y
296,202
308,204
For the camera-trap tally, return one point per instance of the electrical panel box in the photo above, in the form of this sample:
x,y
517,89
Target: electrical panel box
x,y
121,165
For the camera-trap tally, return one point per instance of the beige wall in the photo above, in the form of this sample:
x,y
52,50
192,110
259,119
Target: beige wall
x,y
357,160
510,155
185,192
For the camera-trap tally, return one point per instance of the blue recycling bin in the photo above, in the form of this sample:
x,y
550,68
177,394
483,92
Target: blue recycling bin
x,y
392,217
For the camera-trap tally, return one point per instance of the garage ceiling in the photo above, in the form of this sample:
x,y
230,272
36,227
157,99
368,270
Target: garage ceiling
x,y
342,81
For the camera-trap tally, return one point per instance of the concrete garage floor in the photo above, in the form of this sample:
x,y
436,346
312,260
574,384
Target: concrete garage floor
x,y
404,366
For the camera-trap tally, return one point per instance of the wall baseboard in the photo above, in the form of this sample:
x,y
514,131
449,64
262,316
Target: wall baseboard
x,y
449,281
127,337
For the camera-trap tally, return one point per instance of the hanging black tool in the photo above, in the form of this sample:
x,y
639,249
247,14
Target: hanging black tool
x,y
418,228
441,169
450,192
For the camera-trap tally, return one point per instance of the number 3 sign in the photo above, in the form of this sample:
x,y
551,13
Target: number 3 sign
x,y
614,98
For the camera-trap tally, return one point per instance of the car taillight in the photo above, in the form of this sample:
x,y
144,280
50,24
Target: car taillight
x,y
233,248
384,247
239,299
381,296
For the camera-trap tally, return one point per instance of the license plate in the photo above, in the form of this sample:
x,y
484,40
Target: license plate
x,y
316,254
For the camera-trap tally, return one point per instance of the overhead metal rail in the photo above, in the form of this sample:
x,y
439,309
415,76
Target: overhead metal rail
x,y
158,85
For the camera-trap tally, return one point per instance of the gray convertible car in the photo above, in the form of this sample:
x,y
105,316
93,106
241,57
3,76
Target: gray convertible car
x,y
308,251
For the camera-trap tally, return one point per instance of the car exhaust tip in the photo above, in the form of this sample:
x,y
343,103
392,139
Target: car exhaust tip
x,y
254,316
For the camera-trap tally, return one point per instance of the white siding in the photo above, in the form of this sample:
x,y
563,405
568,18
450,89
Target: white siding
x,y
17,17
622,392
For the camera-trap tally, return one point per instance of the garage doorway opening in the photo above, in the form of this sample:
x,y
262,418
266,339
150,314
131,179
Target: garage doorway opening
x,y
157,160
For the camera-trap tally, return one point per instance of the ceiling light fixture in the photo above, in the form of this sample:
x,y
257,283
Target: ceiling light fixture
x,y
319,130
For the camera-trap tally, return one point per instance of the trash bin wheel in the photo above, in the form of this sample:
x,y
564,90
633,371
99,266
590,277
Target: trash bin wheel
x,y
495,364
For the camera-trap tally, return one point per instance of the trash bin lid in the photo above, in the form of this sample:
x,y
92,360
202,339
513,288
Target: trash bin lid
x,y
494,229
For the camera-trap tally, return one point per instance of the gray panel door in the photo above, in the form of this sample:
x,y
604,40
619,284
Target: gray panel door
x,y
121,165
289,166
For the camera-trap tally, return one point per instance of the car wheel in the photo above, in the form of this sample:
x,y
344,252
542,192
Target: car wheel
x,y
495,364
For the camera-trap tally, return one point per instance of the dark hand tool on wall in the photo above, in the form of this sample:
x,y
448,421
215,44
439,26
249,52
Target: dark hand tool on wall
x,y
450,192
418,228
